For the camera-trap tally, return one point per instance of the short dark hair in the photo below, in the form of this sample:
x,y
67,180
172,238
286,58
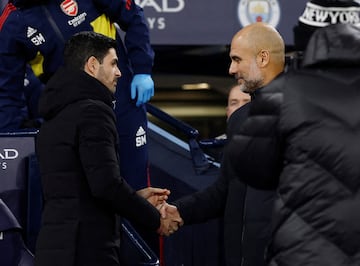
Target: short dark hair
x,y
81,46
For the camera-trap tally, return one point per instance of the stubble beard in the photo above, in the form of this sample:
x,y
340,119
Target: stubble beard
x,y
255,80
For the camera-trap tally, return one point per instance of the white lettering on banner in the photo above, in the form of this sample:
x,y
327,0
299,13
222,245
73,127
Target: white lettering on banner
x,y
161,6
164,5
158,23
9,154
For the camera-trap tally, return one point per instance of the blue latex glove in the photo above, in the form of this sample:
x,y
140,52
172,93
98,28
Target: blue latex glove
x,y
142,87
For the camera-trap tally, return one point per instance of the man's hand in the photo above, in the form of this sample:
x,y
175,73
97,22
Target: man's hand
x,y
170,219
156,196
142,86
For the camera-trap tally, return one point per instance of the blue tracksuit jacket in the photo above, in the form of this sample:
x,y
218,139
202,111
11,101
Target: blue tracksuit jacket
x,y
35,35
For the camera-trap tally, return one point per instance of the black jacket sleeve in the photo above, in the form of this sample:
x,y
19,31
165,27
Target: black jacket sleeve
x,y
97,142
204,205
211,202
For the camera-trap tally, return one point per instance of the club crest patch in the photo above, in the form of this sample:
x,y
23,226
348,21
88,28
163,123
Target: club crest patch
x,y
69,7
250,11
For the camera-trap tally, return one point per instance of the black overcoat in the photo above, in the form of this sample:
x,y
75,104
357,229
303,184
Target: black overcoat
x,y
83,190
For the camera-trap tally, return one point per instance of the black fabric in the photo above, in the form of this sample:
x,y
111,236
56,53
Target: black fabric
x,y
303,134
323,47
246,211
334,3
83,190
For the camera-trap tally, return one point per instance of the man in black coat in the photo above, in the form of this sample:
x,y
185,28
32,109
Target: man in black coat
x,y
302,137
77,151
246,210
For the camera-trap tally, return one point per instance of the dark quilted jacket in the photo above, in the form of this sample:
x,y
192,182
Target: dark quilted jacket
x,y
84,194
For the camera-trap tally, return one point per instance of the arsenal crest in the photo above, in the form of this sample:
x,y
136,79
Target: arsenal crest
x,y
250,11
69,7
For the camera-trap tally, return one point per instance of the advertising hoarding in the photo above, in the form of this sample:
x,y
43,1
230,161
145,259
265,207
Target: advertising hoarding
x,y
213,22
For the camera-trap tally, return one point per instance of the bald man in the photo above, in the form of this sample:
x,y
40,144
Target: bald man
x,y
257,56
302,137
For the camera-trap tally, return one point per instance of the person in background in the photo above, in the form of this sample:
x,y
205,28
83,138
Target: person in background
x,y
26,39
257,56
77,150
301,139
236,99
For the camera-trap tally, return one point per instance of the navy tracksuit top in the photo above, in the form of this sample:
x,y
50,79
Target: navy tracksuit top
x,y
35,35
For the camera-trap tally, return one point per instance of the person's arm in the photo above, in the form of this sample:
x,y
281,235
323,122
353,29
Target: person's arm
x,y
33,88
254,153
210,203
13,57
131,20
205,204
97,149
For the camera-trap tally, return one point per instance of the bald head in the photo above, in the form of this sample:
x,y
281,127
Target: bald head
x,y
257,55
261,36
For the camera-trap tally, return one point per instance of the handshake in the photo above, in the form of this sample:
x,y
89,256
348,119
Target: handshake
x,y
170,220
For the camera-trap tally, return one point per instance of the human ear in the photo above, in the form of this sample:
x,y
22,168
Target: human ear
x,y
263,58
91,65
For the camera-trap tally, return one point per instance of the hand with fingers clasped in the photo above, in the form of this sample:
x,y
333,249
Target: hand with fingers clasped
x,y
170,219
156,196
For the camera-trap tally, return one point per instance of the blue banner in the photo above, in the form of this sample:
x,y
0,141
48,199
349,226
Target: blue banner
x,y
214,22
15,149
